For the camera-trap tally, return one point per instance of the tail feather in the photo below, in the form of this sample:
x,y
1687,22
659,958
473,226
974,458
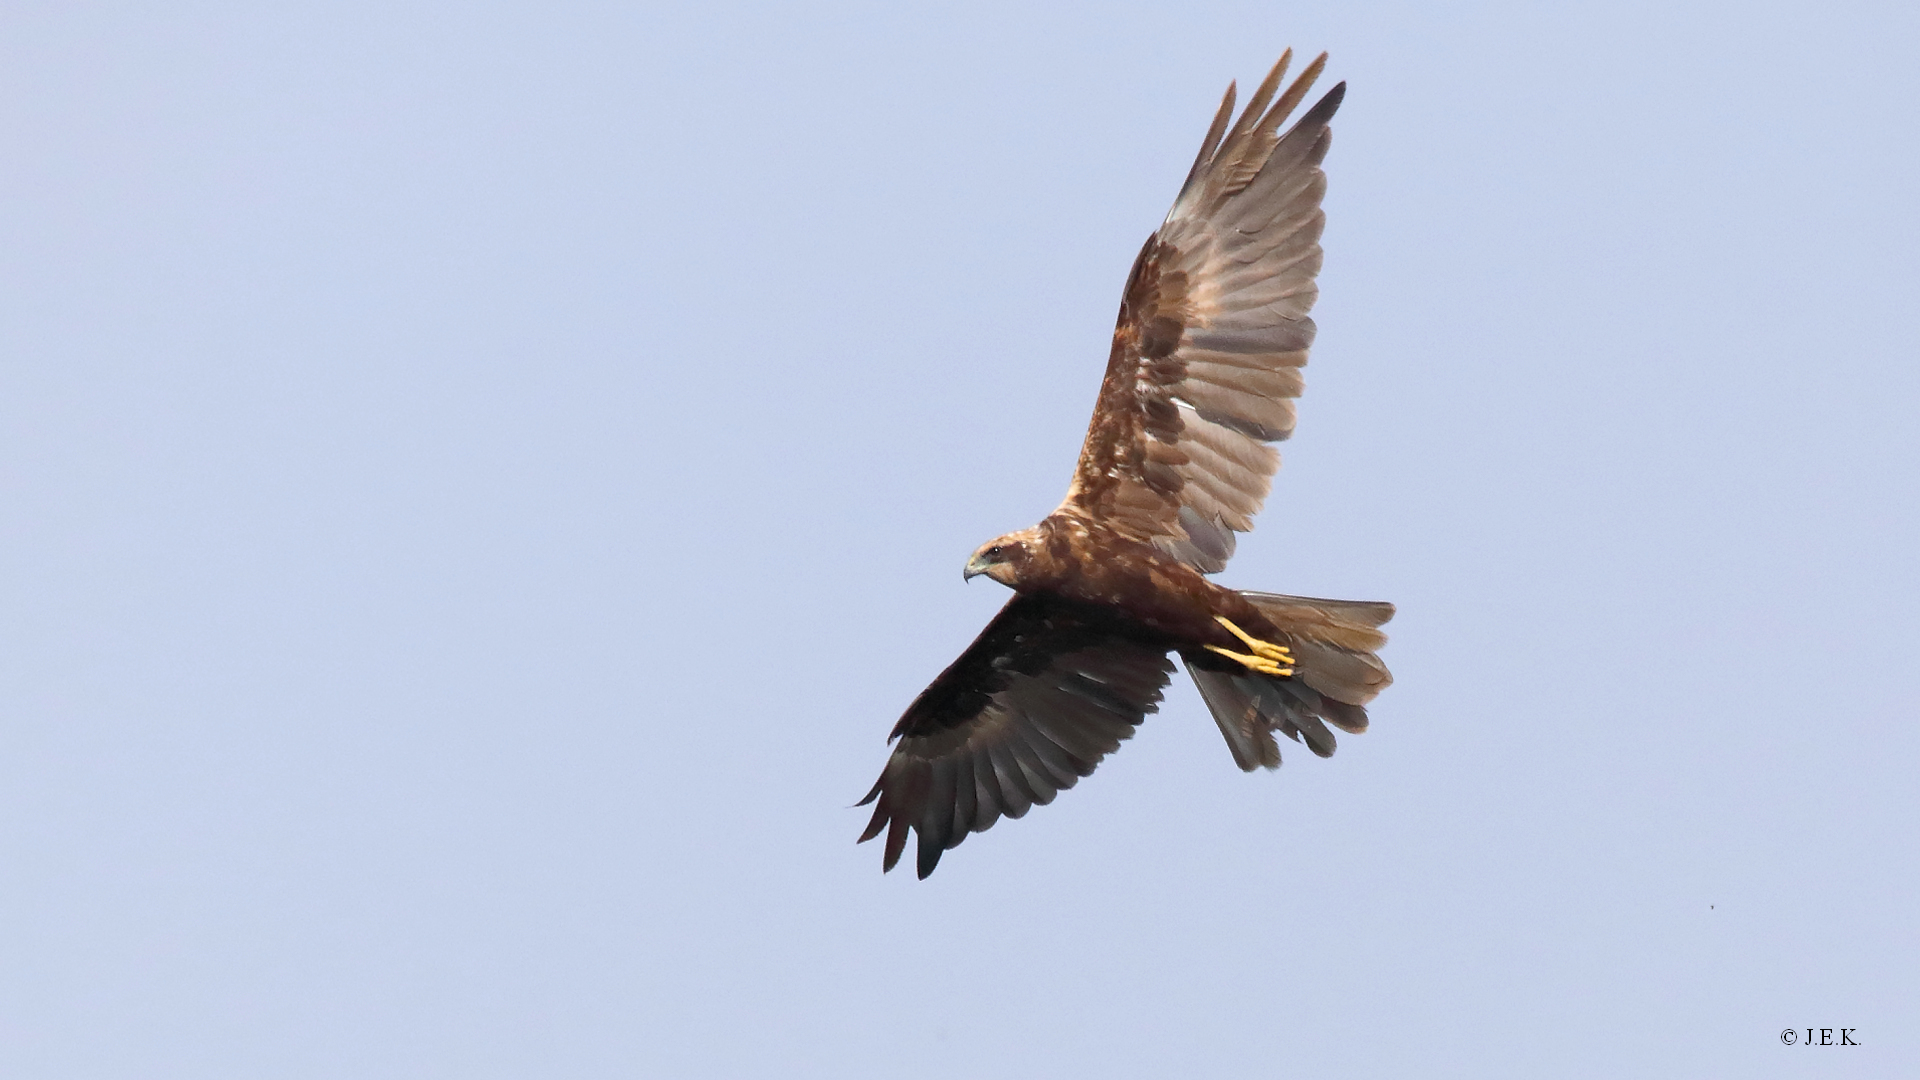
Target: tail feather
x,y
1335,674
1335,642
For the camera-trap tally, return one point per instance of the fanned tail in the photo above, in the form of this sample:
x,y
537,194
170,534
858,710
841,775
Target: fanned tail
x,y
1336,672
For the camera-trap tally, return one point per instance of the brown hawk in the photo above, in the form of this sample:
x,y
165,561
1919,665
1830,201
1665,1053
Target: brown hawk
x,y
1206,360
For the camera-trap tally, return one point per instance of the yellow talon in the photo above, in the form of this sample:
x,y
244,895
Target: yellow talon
x,y
1255,663
1279,654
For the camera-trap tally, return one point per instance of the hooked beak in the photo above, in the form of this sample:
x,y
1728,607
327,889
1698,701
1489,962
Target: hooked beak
x,y
975,567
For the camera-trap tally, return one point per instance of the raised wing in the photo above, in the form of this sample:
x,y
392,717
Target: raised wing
x,y
1212,334
1045,692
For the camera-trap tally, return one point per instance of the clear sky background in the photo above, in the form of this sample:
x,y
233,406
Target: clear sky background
x,y
480,483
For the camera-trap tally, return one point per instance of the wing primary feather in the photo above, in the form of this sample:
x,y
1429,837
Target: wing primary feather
x,y
1322,112
913,793
927,857
1278,114
1212,142
896,843
936,819
880,815
1257,104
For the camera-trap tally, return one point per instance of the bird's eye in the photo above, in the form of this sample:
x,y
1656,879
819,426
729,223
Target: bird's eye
x,y
995,551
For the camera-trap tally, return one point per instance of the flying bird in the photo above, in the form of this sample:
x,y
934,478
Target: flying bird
x,y
1205,364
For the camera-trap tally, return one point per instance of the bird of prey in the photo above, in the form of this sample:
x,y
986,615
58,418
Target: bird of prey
x,y
1205,364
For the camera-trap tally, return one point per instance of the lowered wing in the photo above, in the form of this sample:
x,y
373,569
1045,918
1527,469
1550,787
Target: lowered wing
x,y
1045,692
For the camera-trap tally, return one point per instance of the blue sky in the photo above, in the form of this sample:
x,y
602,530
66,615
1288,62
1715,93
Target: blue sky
x,y
478,483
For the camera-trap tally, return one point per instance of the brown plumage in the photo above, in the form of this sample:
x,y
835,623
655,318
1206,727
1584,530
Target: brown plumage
x,y
1206,359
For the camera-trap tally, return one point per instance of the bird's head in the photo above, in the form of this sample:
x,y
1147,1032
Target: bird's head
x,y
1005,560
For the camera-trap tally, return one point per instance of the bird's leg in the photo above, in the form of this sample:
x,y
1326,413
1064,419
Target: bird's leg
x,y
1267,657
